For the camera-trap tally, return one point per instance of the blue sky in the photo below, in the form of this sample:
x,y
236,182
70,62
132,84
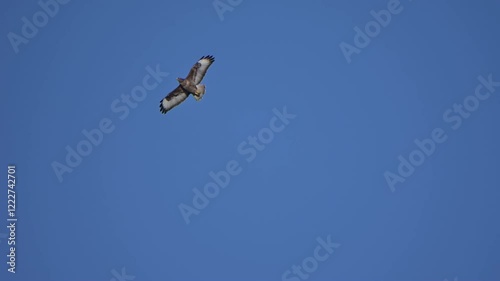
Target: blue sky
x,y
321,176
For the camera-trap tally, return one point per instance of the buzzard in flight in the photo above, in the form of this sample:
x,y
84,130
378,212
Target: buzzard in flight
x,y
189,85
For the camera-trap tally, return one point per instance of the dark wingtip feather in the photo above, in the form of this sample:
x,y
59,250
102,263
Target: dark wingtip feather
x,y
162,109
210,57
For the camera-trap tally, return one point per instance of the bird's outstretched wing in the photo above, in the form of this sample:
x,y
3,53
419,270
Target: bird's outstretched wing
x,y
199,69
173,99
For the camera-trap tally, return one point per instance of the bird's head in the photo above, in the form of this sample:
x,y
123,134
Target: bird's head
x,y
179,79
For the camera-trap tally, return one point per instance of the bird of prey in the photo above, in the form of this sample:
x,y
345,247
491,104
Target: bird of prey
x,y
188,86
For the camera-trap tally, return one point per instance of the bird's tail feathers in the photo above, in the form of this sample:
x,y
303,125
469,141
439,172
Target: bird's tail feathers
x,y
200,91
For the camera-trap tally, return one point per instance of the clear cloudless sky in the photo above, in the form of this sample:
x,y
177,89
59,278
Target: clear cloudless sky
x,y
322,175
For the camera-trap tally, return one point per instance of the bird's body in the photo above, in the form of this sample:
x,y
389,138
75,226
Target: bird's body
x,y
188,86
